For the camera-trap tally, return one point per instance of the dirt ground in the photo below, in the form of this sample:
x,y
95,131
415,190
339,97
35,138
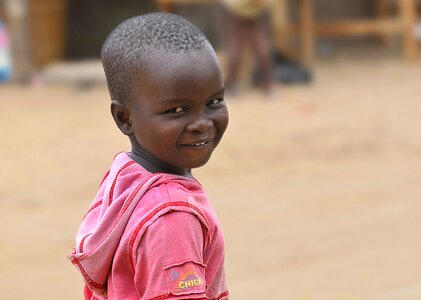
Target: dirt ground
x,y
318,188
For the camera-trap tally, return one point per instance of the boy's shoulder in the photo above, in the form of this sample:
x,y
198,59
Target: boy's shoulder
x,y
161,192
126,178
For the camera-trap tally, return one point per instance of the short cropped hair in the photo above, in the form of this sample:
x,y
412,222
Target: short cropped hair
x,y
133,42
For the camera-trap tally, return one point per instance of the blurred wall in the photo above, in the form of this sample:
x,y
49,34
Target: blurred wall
x,y
89,22
342,9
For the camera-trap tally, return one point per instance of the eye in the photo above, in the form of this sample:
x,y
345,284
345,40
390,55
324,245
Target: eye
x,y
214,101
174,110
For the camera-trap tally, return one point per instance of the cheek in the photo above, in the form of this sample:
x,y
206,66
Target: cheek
x,y
222,120
164,132
146,134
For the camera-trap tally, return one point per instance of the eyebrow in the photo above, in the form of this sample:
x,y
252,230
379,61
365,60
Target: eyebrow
x,y
179,100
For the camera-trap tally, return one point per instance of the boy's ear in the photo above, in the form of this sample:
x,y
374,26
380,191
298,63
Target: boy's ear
x,y
121,115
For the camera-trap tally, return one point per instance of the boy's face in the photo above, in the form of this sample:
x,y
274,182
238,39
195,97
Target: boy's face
x,y
180,116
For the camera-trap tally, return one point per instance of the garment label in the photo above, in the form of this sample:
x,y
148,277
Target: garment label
x,y
185,278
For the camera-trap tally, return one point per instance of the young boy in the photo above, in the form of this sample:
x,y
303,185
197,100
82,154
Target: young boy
x,y
151,233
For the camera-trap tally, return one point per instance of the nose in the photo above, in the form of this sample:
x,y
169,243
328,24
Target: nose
x,y
201,124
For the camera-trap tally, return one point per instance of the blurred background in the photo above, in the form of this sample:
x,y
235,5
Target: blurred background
x,y
316,183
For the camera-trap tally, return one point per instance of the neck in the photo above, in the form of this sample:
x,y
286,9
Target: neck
x,y
154,165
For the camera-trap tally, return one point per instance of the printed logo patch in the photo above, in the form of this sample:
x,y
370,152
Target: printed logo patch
x,y
186,278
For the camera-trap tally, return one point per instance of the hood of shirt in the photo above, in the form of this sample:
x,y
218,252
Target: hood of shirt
x,y
103,225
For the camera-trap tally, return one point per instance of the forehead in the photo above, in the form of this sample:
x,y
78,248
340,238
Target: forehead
x,y
185,74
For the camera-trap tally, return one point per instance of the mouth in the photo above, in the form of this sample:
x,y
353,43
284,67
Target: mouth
x,y
197,144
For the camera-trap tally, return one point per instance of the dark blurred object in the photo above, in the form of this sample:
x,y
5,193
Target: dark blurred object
x,y
90,22
288,71
285,70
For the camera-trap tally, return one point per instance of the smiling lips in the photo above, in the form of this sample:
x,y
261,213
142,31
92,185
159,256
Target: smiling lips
x,y
197,145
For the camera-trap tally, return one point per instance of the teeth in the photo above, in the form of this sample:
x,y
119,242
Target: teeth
x,y
199,144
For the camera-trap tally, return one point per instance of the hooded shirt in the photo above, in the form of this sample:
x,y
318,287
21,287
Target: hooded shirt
x,y
150,236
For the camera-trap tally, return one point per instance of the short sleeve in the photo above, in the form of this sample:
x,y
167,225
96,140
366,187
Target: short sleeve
x,y
170,259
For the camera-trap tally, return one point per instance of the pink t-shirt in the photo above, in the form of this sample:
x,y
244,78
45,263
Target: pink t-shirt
x,y
150,236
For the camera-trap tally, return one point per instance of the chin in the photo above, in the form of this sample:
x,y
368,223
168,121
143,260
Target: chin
x,y
198,164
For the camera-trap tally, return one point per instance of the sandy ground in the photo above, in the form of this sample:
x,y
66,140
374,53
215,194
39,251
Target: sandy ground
x,y
318,190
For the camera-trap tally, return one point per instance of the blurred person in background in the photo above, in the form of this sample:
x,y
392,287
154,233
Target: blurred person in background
x,y
247,22
5,60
